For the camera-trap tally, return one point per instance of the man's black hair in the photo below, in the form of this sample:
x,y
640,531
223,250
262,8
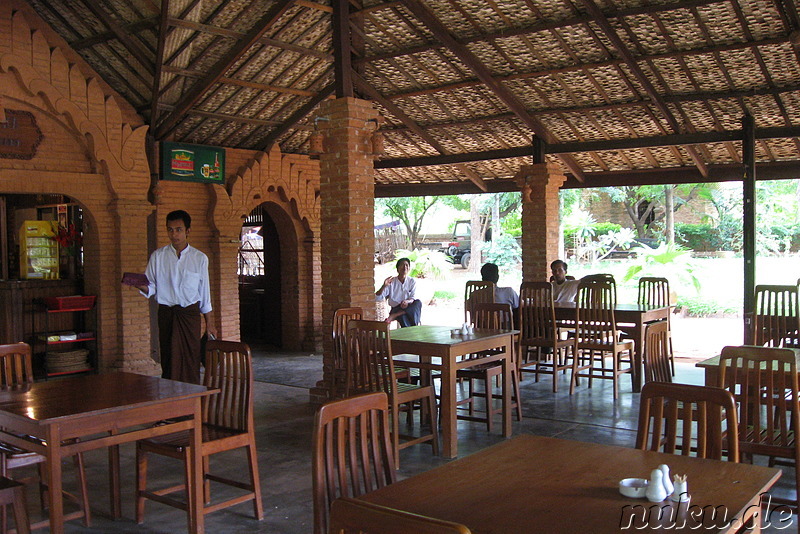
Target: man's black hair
x,y
490,273
180,215
562,262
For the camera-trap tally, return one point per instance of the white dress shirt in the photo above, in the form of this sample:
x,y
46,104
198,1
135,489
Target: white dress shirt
x,y
179,281
506,295
398,291
566,292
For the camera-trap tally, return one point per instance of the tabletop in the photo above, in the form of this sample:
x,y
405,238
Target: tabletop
x,y
537,484
442,335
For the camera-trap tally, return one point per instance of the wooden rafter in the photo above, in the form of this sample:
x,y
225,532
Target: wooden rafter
x,y
163,28
296,117
366,88
342,50
220,67
132,27
484,74
131,44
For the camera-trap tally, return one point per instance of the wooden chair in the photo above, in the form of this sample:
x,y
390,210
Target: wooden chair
x,y
603,277
596,335
227,425
540,345
13,493
476,292
352,451
16,372
763,381
657,353
654,291
687,419
371,368
776,320
497,317
339,334
353,516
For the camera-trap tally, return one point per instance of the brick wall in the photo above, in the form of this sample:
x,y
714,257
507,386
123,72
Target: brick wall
x,y
540,218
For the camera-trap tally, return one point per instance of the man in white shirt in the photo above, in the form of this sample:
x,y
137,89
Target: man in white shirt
x,y
502,295
400,291
178,277
565,288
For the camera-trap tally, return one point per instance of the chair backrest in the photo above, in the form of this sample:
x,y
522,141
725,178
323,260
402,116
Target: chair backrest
x,y
16,367
369,358
229,368
594,314
537,314
603,277
692,414
352,451
657,366
653,291
776,320
354,516
763,381
493,315
339,333
476,292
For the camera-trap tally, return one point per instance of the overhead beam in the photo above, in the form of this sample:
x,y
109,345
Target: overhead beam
x,y
342,51
163,28
131,44
421,11
601,20
373,93
783,170
296,117
221,67
102,37
590,146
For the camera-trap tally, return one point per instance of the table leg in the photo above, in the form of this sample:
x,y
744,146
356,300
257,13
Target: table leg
x,y
506,363
638,356
195,493
113,481
54,480
448,413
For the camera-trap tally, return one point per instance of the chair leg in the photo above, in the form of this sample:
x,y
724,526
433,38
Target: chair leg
x,y
81,473
21,521
488,389
516,395
434,417
141,483
396,435
206,482
189,481
252,462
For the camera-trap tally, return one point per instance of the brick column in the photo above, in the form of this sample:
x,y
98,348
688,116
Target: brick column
x,y
347,199
540,218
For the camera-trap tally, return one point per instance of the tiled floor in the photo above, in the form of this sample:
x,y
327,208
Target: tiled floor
x,y
284,418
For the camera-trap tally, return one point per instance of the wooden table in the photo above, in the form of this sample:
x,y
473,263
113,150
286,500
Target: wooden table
x,y
711,368
536,484
434,347
103,411
636,314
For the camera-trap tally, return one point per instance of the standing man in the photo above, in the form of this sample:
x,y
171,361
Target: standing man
x,y
178,277
400,290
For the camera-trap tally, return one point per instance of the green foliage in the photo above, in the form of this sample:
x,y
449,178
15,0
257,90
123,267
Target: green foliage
x,y
706,307
698,237
444,294
504,251
425,263
663,261
409,210
512,223
597,229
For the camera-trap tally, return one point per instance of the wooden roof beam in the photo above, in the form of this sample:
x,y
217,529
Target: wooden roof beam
x,y
366,88
297,116
484,74
221,67
131,44
163,28
102,37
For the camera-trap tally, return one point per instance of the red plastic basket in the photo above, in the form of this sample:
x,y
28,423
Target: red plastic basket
x,y
73,302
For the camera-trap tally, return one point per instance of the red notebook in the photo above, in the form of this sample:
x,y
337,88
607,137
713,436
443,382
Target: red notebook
x,y
135,279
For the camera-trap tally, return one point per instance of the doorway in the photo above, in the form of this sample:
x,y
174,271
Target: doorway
x,y
260,280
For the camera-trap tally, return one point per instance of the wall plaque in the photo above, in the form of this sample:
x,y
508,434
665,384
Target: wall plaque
x,y
19,135
192,163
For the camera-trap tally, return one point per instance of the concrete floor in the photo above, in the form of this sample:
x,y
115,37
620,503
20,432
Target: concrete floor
x,y
284,418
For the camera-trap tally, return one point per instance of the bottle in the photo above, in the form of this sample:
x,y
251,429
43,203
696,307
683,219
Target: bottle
x,y
655,489
681,493
464,329
668,487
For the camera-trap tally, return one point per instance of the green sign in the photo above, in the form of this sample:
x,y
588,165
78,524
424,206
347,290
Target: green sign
x,y
192,163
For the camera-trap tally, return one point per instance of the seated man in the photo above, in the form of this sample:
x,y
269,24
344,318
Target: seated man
x,y
565,288
400,291
502,295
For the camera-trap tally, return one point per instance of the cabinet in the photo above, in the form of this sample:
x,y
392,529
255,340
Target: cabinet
x,y
38,251
69,339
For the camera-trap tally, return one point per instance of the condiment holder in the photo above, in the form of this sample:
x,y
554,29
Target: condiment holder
x,y
658,488
633,487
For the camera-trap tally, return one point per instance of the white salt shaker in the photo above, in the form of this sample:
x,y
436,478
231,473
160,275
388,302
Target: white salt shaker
x,y
464,329
668,487
681,491
655,489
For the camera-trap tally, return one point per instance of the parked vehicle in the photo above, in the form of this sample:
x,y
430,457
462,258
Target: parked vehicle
x,y
459,248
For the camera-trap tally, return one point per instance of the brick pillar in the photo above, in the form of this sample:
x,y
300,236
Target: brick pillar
x,y
347,199
540,218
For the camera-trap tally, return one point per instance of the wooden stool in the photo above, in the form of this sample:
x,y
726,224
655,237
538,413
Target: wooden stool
x,y
13,493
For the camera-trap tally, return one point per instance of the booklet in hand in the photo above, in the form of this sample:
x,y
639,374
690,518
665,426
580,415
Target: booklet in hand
x,y
135,279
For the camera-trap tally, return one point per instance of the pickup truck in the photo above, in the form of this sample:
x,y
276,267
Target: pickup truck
x,y
458,249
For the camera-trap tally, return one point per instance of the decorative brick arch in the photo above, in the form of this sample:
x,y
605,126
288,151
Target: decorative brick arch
x,y
288,185
47,82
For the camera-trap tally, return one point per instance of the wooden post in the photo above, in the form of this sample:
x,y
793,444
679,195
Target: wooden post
x,y
749,222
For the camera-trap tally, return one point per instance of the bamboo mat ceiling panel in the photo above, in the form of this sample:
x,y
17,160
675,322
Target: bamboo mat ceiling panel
x,y
569,71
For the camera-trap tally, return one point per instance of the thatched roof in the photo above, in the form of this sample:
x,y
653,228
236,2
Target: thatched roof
x,y
620,91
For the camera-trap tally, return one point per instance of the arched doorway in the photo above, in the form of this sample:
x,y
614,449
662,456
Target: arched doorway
x,y
260,280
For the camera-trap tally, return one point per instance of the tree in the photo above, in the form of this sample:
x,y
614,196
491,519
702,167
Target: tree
x,y
410,211
645,204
